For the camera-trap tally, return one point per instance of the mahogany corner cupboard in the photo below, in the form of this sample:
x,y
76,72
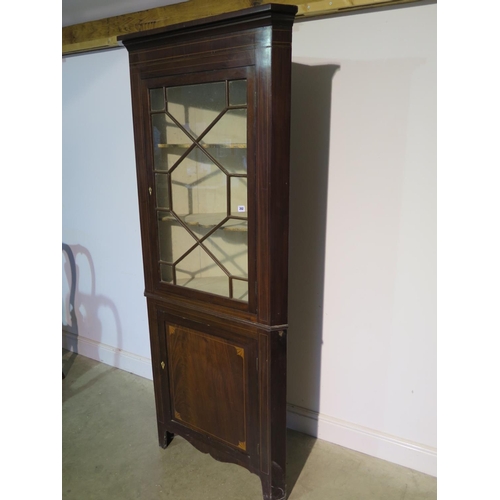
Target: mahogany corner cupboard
x,y
211,110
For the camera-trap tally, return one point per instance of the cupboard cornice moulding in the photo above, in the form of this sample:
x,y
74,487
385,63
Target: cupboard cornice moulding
x,y
103,33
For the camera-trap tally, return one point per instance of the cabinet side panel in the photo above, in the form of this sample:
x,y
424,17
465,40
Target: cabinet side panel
x,y
273,158
280,175
277,382
264,402
263,135
156,350
139,109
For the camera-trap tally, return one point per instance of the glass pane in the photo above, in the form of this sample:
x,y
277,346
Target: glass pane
x,y
234,160
229,245
198,271
162,191
240,290
199,187
166,273
169,141
173,238
229,132
239,204
195,107
157,99
237,92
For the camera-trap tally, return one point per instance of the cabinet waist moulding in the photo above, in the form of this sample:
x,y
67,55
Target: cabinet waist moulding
x,y
211,110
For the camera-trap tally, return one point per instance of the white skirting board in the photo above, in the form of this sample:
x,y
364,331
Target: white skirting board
x,y
107,354
371,442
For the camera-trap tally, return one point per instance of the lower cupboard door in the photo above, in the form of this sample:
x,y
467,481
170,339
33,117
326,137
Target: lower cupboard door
x,y
212,384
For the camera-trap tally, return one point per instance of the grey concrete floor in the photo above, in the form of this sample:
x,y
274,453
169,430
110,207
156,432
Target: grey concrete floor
x,y
110,451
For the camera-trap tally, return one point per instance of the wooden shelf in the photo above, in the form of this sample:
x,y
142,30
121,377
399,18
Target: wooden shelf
x,y
218,285
211,220
240,145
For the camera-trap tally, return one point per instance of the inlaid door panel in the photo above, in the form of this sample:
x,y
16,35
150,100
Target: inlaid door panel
x,y
208,377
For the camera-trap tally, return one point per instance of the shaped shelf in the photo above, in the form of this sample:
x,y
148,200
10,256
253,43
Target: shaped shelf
x,y
211,220
204,146
217,284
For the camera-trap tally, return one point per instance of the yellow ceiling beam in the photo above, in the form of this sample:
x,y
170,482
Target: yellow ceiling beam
x,y
103,33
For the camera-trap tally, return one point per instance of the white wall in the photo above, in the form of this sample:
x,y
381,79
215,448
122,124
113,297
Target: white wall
x,y
100,212
362,338
365,359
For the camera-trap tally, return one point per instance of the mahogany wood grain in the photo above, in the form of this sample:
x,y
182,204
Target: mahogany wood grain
x,y
205,370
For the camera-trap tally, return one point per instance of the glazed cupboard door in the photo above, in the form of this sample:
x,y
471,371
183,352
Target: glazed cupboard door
x,y
201,175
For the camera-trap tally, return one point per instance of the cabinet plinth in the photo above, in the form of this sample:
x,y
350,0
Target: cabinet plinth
x,y
211,110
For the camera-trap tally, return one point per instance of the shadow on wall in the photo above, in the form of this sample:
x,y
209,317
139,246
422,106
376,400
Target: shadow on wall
x,y
83,309
310,150
69,300
69,313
